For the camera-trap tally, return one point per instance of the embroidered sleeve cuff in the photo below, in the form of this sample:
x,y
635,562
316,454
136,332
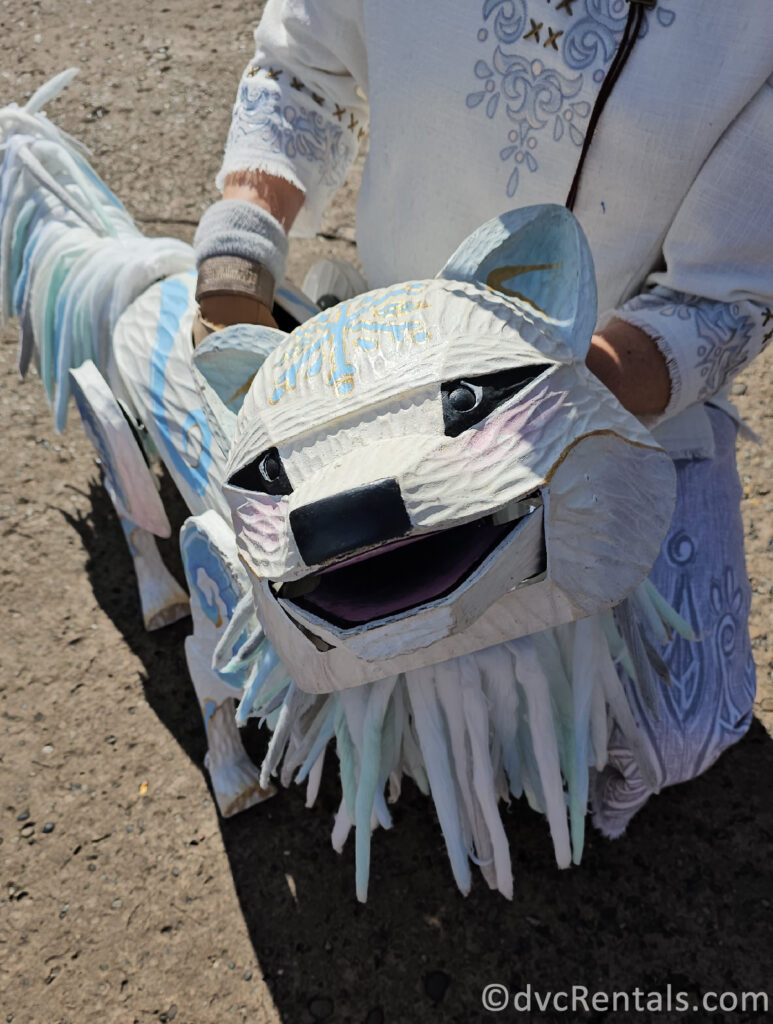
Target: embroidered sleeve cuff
x,y
705,344
284,128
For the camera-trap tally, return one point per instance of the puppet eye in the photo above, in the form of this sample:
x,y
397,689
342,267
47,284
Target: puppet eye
x,y
466,402
269,467
265,474
465,397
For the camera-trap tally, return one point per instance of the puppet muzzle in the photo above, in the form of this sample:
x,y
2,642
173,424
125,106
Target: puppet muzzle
x,y
374,570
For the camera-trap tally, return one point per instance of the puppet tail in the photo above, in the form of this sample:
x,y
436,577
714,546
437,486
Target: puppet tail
x,y
71,258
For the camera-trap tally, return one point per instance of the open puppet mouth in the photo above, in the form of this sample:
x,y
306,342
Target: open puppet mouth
x,y
405,574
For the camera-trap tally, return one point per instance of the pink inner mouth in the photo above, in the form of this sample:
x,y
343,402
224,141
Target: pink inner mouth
x,y
403,575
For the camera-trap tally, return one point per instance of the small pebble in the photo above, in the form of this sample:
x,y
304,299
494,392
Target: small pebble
x,y
48,827
248,975
48,749
63,911
28,830
23,816
321,1008
435,985
230,965
91,867
116,904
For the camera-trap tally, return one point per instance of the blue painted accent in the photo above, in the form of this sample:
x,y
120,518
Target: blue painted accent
x,y
266,666
210,707
198,418
294,297
93,431
175,300
331,340
199,553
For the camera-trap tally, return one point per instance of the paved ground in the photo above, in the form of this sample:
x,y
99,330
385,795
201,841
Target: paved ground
x,y
124,897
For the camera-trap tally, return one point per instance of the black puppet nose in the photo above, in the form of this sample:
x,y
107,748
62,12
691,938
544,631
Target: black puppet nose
x,y
364,517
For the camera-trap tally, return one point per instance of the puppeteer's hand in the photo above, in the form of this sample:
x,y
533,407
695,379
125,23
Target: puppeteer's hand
x,y
219,311
630,364
241,246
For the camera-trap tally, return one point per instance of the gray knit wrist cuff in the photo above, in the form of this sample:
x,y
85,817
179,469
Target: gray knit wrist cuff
x,y
236,227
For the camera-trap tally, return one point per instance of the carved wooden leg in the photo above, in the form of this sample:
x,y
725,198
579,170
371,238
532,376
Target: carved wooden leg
x,y
217,581
162,598
134,495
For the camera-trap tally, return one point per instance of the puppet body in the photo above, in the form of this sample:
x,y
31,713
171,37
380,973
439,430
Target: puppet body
x,y
420,529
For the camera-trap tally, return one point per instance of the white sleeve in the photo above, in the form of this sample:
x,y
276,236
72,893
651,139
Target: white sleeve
x,y
711,310
301,109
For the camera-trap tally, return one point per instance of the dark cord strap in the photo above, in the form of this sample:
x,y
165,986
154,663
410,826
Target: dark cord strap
x,y
624,50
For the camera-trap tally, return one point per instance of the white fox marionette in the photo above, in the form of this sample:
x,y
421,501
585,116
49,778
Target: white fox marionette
x,y
420,529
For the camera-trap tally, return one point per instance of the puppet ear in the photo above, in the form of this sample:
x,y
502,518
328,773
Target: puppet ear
x,y
224,367
538,254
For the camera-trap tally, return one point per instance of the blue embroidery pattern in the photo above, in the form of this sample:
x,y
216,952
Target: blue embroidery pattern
x,y
292,130
729,602
686,658
593,37
725,333
534,95
361,323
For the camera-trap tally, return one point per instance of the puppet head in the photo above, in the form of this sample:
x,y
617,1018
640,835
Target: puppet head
x,y
430,469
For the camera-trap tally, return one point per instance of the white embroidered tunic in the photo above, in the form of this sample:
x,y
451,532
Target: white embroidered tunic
x,y
480,107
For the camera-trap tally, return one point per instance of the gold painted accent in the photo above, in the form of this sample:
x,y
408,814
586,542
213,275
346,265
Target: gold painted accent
x,y
252,70
767,317
339,111
297,84
497,277
319,100
248,566
361,133
766,337
254,794
243,389
534,30
566,5
552,36
274,74
598,433
357,324
352,123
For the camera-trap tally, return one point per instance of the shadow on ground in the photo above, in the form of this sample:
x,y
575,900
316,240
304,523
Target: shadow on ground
x,y
684,899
